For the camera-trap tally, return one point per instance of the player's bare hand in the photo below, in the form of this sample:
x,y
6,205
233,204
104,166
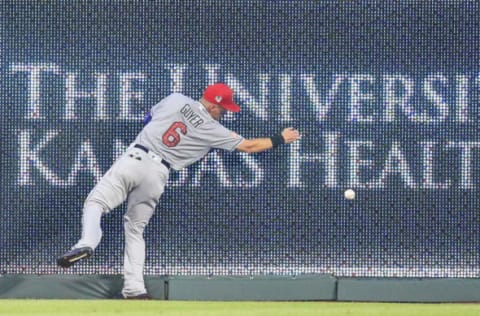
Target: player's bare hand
x,y
290,135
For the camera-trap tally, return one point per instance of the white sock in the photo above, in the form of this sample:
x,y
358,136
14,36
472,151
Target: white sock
x,y
91,230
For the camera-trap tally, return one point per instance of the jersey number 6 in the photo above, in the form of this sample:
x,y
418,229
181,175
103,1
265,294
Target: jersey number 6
x,y
171,137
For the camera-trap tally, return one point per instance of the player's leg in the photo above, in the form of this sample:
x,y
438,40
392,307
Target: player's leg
x,y
91,236
109,192
141,205
135,220
91,229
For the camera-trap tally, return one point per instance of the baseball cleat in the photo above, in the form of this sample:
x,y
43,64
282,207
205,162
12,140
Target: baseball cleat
x,y
144,296
74,255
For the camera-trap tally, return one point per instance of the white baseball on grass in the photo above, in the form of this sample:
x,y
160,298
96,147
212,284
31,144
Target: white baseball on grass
x,y
349,194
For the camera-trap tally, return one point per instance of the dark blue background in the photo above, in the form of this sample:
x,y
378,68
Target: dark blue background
x,y
393,231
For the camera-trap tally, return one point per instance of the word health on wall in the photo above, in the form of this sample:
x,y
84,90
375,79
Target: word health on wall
x,y
338,162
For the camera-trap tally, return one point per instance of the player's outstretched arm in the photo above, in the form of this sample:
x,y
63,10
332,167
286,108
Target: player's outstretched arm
x,y
255,145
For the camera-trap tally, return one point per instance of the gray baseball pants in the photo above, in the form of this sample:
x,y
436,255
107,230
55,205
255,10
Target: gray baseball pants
x,y
139,177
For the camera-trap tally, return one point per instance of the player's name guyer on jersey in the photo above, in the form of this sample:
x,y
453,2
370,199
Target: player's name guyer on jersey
x,y
191,116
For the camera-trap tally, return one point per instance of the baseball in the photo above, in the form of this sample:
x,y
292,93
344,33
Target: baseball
x,y
349,194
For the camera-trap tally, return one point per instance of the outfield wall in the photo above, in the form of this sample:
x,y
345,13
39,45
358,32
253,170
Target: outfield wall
x,y
385,93
256,288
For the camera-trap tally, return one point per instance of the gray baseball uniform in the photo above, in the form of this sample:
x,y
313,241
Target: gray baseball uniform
x,y
183,132
180,132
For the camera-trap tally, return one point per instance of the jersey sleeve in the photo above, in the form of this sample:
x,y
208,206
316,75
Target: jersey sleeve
x,y
164,102
223,138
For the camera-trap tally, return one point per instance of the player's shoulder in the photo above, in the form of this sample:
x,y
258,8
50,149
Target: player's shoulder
x,y
212,124
175,101
178,97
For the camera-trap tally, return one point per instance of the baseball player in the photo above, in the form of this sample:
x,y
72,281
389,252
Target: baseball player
x,y
178,132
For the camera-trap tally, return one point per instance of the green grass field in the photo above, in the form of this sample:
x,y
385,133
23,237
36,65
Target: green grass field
x,y
180,308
